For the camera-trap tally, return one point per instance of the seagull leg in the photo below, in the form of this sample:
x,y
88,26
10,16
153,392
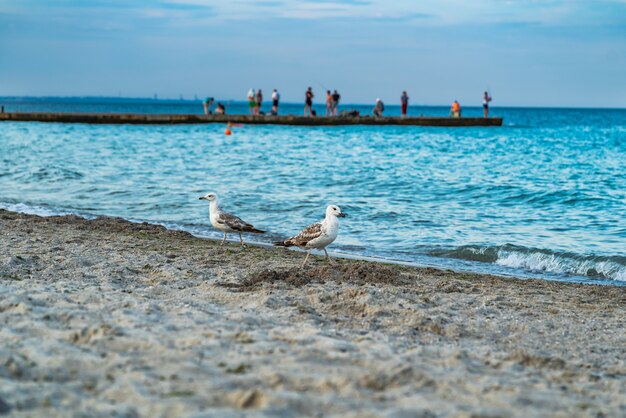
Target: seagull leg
x,y
224,240
328,257
308,253
241,240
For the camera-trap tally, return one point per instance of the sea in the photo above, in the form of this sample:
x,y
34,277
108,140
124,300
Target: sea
x,y
543,196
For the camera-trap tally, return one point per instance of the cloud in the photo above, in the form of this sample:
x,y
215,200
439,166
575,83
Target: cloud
x,y
319,10
184,5
348,2
268,3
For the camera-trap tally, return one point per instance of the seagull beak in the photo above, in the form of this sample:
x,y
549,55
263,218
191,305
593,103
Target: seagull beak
x,y
202,198
342,215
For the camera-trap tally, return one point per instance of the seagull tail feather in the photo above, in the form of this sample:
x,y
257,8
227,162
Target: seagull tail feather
x,y
281,243
255,231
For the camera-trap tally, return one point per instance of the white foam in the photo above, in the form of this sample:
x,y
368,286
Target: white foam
x,y
621,275
31,209
539,261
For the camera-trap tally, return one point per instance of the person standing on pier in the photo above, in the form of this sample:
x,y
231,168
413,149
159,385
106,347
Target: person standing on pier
x,y
251,100
259,101
455,110
207,103
275,100
404,101
486,100
336,98
329,103
308,102
379,108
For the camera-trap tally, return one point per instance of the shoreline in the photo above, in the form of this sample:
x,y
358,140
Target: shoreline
x,y
474,269
105,316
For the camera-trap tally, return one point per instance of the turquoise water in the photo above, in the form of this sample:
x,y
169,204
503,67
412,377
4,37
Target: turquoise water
x,y
542,196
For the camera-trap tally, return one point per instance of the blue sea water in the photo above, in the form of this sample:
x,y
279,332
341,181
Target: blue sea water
x,y
542,196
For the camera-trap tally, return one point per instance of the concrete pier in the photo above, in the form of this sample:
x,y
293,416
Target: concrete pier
x,y
167,119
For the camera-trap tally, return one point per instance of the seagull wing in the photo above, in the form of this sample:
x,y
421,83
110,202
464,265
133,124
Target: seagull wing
x,y
308,234
235,223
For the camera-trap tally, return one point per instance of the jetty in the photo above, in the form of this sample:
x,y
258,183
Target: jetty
x,y
171,119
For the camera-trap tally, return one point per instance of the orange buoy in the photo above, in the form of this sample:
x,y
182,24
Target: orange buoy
x,y
228,131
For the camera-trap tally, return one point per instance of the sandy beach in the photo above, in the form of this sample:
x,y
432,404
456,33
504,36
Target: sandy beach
x,y
104,318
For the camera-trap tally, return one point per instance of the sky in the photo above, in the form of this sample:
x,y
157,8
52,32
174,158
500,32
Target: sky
x,y
525,52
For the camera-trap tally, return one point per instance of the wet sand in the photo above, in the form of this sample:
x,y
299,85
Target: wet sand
x,y
105,318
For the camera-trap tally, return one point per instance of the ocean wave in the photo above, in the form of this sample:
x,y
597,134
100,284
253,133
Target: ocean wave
x,y
540,260
32,209
55,174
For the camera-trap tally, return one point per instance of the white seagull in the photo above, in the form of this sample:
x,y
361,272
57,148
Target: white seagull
x,y
226,222
317,235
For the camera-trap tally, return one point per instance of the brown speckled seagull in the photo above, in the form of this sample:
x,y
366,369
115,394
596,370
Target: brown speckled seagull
x,y
226,222
317,235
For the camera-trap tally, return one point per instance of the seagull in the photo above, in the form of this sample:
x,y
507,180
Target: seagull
x,y
317,235
226,222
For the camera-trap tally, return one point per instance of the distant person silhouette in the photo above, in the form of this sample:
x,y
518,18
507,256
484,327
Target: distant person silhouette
x,y
206,104
379,108
275,101
308,102
329,103
259,102
404,101
252,100
486,100
336,99
455,110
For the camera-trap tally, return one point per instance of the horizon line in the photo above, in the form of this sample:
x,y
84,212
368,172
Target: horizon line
x,y
195,100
